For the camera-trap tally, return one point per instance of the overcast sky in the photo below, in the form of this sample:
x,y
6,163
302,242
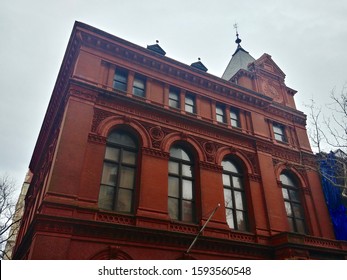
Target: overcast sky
x,y
306,38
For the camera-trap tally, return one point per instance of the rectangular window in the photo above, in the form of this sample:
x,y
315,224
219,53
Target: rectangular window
x,y
279,134
139,86
120,79
235,117
174,98
220,113
190,103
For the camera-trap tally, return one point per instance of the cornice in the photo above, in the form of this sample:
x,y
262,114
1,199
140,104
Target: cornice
x,y
169,67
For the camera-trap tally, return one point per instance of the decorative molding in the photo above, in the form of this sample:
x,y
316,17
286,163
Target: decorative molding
x,y
254,177
155,153
115,219
95,138
210,166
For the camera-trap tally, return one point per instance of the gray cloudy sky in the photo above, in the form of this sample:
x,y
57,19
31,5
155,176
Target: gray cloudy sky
x,y
306,38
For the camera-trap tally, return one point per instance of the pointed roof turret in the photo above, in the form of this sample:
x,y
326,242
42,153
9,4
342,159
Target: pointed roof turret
x,y
240,60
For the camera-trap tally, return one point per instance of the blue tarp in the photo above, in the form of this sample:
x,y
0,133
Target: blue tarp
x,y
333,196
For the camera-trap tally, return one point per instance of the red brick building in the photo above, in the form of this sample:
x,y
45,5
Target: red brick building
x,y
137,149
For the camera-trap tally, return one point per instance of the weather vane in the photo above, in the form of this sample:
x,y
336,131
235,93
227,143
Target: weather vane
x,y
236,26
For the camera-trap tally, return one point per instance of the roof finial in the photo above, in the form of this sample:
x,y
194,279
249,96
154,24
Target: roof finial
x,y
157,41
238,40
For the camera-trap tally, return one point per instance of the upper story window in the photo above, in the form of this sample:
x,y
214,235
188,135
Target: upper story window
x,y
234,196
181,198
279,132
190,103
292,203
139,86
120,79
117,188
174,97
235,117
220,113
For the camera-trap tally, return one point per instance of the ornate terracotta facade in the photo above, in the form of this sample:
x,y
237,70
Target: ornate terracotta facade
x,y
63,218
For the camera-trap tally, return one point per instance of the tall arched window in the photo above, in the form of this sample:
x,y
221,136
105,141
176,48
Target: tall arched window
x,y
119,172
181,200
292,203
234,196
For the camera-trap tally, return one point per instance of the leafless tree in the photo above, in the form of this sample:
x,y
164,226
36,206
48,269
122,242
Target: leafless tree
x,y
328,132
9,221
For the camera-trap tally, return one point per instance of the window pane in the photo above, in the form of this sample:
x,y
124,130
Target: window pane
x,y
177,152
139,92
189,104
238,200
187,170
173,167
109,174
237,182
139,83
173,96
189,109
226,180
288,208
121,138
174,103
227,198
297,210
219,111
112,154
106,197
120,80
230,218
294,195
173,187
124,200
187,189
127,178
220,119
120,86
286,180
129,157
241,221
189,100
187,211
285,193
234,118
229,166
121,76
173,208
300,226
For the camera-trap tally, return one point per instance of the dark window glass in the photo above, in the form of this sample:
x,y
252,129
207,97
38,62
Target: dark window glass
x,y
181,200
279,132
174,98
189,103
120,79
292,204
234,197
119,173
139,86
235,117
220,114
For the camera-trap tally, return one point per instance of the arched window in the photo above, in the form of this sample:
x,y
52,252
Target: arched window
x,y
119,173
181,200
234,196
292,203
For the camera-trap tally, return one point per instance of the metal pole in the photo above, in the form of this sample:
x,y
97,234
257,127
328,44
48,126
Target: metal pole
x,y
202,229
